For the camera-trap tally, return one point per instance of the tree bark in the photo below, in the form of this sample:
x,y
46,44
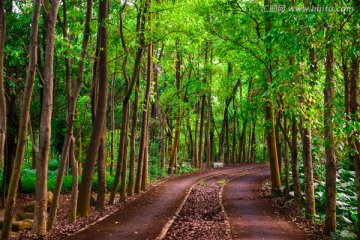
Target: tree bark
x,y
74,183
142,158
175,145
330,204
112,123
196,141
130,84
354,136
2,90
308,169
234,134
294,164
45,128
101,161
100,118
70,118
133,140
269,113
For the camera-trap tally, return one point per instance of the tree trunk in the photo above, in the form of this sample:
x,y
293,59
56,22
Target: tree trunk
x,y
70,118
278,140
142,158
222,136
101,161
45,128
130,84
34,148
330,204
112,123
196,145
354,136
74,184
133,140
286,159
227,140
234,134
25,111
308,170
242,142
100,118
269,113
294,164
252,143
2,90
175,145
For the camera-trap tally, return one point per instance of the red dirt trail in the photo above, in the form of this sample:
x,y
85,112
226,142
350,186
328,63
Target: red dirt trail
x,y
146,216
251,215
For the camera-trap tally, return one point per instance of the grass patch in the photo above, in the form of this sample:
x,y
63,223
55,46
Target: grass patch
x,y
222,181
202,182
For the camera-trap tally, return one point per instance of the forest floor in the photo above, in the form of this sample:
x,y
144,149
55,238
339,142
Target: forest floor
x,y
226,203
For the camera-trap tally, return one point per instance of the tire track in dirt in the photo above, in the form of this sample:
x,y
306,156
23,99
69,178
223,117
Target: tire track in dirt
x,y
202,216
146,216
251,215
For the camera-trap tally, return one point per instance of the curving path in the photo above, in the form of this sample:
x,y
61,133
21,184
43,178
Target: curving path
x,y
251,215
146,216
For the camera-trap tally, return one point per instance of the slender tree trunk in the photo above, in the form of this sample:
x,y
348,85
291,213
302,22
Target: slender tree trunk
x,y
124,154
242,142
2,90
34,148
252,143
112,112
234,134
45,127
142,158
330,204
269,114
100,118
286,159
191,142
294,165
222,136
175,145
308,170
201,133
70,118
227,140
278,140
162,143
196,145
101,161
144,177
133,140
74,184
130,84
354,136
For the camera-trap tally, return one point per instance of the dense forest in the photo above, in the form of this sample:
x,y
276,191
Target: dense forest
x,y
105,96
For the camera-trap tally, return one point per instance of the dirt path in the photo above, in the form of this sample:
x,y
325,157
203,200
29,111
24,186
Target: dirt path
x,y
146,216
251,215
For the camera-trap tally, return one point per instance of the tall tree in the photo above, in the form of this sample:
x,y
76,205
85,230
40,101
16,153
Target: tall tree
x,y
70,118
45,127
175,145
269,111
2,91
100,118
13,188
330,208
129,83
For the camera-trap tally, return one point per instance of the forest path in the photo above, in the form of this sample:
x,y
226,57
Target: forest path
x,y
145,217
252,215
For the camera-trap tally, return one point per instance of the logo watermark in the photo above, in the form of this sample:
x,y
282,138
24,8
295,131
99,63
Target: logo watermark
x,y
283,9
